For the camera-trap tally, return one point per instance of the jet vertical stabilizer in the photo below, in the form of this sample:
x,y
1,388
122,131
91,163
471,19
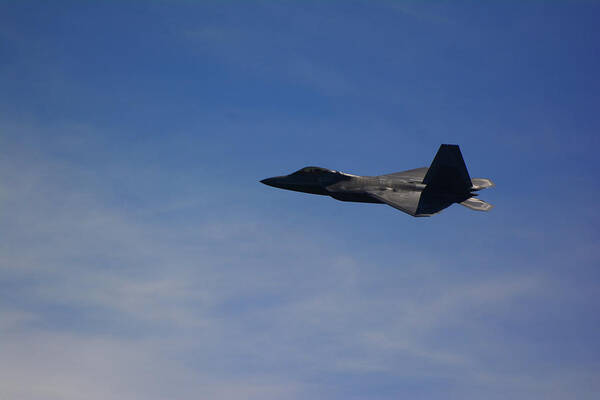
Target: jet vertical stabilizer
x,y
448,171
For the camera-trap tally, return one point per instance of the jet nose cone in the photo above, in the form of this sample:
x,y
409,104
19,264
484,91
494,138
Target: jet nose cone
x,y
268,181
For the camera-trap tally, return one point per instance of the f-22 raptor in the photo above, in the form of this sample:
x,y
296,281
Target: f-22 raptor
x,y
420,192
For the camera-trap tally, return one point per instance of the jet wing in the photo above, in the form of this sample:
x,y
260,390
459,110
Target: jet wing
x,y
416,174
415,203
405,201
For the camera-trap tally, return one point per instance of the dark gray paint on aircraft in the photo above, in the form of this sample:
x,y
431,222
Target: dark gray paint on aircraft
x,y
420,192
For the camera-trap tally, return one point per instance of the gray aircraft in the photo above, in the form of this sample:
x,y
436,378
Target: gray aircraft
x,y
420,192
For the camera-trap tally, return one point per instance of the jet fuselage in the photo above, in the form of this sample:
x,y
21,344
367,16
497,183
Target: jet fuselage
x,y
341,186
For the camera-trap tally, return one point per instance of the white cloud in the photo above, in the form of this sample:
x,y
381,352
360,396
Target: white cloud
x,y
100,302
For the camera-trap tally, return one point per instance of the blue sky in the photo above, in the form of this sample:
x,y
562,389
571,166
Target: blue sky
x,y
141,259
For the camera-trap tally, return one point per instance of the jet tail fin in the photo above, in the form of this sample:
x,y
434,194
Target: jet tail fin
x,y
448,171
477,204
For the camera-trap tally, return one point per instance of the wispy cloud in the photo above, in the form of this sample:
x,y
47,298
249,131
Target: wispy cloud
x,y
221,303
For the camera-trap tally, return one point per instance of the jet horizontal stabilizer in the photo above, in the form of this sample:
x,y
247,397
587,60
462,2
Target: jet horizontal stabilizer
x,y
477,204
481,183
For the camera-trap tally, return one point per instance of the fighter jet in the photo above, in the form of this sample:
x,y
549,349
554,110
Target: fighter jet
x,y
420,192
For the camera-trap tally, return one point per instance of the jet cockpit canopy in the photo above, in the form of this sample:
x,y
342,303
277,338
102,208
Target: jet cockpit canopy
x,y
314,171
